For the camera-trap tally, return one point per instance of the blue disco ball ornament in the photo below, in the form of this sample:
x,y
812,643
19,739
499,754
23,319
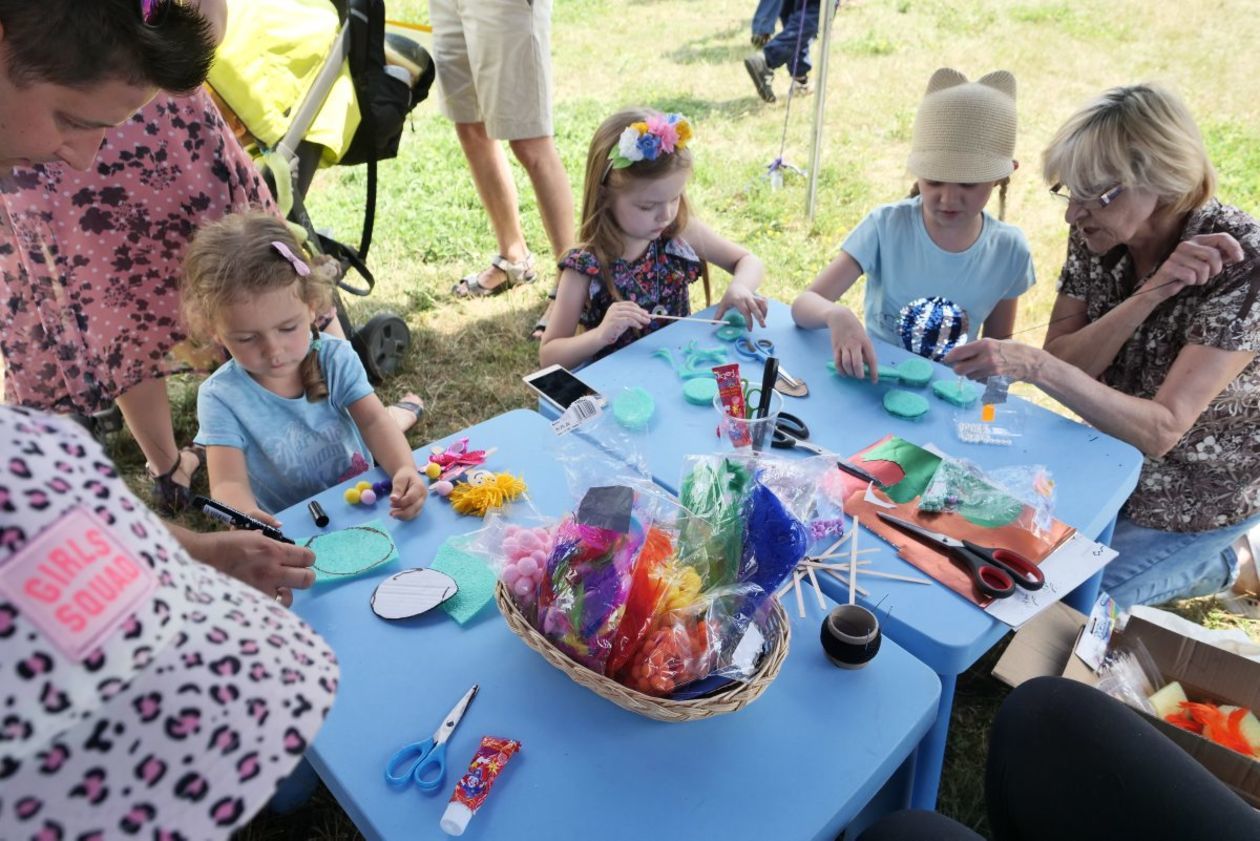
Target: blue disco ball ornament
x,y
932,327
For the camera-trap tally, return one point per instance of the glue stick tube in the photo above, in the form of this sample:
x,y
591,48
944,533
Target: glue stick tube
x,y
473,788
731,393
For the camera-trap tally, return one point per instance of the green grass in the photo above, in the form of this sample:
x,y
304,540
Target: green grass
x,y
685,55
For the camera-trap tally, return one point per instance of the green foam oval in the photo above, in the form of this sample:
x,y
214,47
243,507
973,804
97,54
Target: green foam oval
x,y
633,408
914,372
700,391
955,392
904,404
730,332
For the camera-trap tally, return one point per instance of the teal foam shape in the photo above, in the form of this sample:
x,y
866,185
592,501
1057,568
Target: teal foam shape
x,y
633,408
350,552
958,393
905,404
700,392
474,578
914,372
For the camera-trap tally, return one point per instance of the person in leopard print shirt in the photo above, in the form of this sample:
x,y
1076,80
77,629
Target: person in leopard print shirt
x,y
1153,339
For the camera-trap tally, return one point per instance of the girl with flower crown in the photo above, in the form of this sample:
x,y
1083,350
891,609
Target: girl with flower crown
x,y
639,249
292,412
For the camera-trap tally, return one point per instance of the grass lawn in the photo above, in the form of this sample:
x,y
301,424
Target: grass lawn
x,y
685,55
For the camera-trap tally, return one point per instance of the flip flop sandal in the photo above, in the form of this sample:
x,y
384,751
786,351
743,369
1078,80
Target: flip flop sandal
x,y
170,496
517,274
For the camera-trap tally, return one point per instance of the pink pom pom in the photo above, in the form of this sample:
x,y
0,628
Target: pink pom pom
x,y
443,487
527,566
523,587
511,529
511,575
368,497
539,557
529,541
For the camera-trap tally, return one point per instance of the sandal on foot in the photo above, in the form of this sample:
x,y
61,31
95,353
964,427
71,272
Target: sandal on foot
x,y
413,407
516,274
172,497
540,326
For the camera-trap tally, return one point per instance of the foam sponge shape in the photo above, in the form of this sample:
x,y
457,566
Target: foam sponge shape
x,y
700,392
633,408
955,392
914,372
352,551
475,581
904,404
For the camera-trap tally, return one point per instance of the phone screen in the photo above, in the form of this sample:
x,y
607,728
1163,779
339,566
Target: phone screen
x,y
559,386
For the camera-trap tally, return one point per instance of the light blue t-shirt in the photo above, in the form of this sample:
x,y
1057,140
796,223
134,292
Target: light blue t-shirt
x,y
902,263
293,448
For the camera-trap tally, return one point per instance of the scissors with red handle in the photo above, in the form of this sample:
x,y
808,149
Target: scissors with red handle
x,y
996,572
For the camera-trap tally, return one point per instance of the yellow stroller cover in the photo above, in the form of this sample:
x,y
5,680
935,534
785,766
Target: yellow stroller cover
x,y
269,57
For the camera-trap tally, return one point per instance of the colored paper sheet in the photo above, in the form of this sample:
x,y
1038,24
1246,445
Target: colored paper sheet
x,y
475,580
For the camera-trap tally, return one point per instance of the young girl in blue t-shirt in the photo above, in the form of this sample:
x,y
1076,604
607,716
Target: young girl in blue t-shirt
x,y
292,412
639,248
940,241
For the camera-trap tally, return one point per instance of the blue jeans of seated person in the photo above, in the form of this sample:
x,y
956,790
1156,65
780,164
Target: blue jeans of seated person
x,y
1155,566
767,13
799,25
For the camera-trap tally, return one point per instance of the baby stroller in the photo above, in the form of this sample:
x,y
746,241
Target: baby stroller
x,y
382,75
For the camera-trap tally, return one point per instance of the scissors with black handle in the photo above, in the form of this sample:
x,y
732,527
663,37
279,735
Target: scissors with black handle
x,y
995,572
428,755
790,432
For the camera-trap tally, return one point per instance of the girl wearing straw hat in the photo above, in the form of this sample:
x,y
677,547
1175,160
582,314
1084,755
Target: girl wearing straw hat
x,y
940,240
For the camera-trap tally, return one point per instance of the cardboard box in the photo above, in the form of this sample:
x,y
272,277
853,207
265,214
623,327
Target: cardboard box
x,y
1207,673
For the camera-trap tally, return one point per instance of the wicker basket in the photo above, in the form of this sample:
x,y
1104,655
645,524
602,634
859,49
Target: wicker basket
x,y
736,697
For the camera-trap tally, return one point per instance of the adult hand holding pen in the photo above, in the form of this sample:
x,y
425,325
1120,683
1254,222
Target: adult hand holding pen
x,y
272,567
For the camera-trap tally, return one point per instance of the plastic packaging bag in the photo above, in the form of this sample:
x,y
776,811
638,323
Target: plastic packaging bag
x,y
1128,673
1020,495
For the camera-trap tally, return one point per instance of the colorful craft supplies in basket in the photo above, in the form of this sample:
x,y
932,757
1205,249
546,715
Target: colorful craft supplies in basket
x,y
665,607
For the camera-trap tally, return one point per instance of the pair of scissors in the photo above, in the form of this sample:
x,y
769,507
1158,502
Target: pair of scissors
x,y
994,571
790,432
429,755
761,350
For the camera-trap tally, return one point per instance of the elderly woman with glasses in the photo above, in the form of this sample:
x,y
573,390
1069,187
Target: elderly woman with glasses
x,y
1153,339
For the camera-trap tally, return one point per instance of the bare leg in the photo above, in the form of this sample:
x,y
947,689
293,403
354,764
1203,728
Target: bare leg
x,y
493,179
406,417
555,199
147,411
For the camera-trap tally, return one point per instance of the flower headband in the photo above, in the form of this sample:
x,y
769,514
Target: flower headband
x,y
299,265
648,140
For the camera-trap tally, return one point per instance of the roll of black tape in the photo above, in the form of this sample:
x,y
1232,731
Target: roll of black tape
x,y
851,636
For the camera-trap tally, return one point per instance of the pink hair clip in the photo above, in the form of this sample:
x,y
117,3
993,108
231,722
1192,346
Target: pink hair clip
x,y
299,265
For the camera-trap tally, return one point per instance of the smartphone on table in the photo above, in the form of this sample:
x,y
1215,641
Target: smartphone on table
x,y
560,387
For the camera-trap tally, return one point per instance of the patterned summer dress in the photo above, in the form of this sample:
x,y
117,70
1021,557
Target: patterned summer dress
x,y
90,261
659,281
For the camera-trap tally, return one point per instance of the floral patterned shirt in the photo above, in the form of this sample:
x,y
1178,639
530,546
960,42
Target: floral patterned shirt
x,y
1211,478
658,281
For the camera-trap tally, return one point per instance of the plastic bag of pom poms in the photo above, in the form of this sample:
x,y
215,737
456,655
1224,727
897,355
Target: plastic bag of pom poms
x,y
517,553
932,327
586,584
675,652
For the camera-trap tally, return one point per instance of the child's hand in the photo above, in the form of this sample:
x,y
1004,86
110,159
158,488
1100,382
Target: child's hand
x,y
622,316
408,495
744,300
850,345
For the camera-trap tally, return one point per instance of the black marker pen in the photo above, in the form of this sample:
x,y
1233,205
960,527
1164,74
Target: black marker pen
x,y
232,517
854,470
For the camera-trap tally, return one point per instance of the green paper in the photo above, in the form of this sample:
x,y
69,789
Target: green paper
x,y
633,408
903,404
956,392
349,552
700,392
914,372
916,463
955,488
475,581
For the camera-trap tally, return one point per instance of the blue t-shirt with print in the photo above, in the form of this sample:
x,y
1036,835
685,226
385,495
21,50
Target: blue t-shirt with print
x,y
902,263
293,448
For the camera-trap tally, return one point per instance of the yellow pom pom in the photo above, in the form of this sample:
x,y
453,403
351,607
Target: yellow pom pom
x,y
433,470
352,495
477,499
364,486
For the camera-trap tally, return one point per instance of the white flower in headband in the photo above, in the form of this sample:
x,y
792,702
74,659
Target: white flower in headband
x,y
647,140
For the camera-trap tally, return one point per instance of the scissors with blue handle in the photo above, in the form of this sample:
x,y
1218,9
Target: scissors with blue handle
x,y
761,350
995,572
429,755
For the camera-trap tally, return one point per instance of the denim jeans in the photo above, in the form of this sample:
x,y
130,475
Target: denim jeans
x,y
1155,566
764,18
800,25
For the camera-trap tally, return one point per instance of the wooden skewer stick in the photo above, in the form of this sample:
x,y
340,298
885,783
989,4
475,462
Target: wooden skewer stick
x,y
800,599
840,577
853,563
870,551
833,547
813,579
823,565
871,572
686,318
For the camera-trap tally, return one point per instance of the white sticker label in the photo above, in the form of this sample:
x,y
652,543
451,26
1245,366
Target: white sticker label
x,y
580,411
77,582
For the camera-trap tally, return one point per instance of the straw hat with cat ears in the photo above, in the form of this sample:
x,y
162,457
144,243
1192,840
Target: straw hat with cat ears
x,y
964,132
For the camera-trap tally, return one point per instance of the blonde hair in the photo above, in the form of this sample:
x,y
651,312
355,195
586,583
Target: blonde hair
x,y
599,232
233,259
1140,136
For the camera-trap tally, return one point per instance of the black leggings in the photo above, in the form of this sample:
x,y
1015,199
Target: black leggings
x,y
1067,763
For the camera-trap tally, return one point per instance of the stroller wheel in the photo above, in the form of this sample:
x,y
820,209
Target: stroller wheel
x,y
381,344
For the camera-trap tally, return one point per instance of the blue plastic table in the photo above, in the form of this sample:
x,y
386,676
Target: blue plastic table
x,y
800,762
1094,474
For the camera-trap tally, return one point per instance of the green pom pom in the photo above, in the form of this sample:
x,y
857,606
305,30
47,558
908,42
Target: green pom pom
x,y
633,408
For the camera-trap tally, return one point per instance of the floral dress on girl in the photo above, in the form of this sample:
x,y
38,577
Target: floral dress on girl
x,y
659,281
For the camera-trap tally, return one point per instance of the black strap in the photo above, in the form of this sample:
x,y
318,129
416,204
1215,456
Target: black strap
x,y
360,17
